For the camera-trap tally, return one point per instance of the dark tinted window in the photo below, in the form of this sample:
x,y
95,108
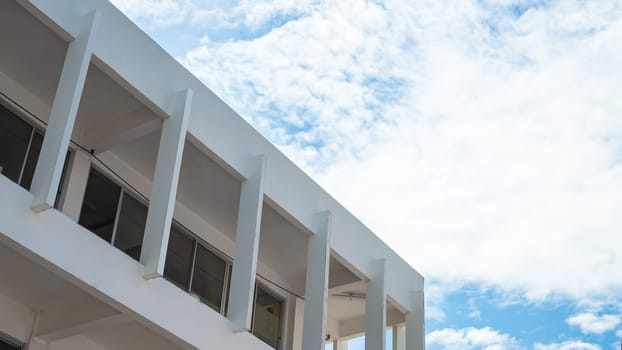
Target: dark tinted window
x,y
179,258
131,226
14,139
267,317
99,207
208,277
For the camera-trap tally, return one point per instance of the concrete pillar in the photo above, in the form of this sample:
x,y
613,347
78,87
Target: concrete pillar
x,y
394,339
376,308
77,178
247,246
298,323
63,115
415,323
289,321
401,338
164,188
316,286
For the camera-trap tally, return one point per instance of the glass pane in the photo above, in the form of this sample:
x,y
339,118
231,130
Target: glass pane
x,y
99,207
14,138
267,317
131,226
179,258
208,278
7,346
31,160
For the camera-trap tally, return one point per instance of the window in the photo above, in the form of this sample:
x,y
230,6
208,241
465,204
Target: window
x,y
267,317
20,145
208,278
179,258
99,208
131,226
113,214
195,268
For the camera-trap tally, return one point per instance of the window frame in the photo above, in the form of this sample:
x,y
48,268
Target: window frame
x,y
40,127
228,265
124,189
259,283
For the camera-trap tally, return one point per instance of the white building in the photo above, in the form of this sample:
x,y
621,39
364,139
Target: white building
x,y
138,211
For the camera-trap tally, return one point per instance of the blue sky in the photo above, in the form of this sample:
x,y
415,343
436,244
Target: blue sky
x,y
481,139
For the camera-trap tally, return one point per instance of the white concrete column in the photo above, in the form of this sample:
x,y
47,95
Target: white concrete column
x,y
316,286
164,188
289,321
63,115
298,323
77,178
401,338
247,246
415,323
394,339
376,308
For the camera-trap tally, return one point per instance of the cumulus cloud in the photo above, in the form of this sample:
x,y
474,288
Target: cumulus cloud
x,y
470,339
594,324
569,345
480,139
212,15
502,173
158,12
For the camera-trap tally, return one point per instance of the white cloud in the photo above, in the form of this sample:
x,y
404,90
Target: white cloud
x,y
482,144
252,14
569,345
158,12
209,14
474,312
470,339
595,324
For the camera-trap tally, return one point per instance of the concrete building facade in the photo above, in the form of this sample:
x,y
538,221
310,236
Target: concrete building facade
x,y
139,211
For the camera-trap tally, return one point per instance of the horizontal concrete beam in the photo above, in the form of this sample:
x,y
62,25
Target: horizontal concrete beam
x,y
356,327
